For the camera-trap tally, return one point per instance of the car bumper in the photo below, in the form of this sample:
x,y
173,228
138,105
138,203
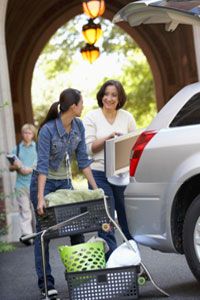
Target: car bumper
x,y
148,215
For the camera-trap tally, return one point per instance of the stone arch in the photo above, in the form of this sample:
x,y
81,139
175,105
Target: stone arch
x,y
30,24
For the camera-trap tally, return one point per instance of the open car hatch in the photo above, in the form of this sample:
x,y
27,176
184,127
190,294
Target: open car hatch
x,y
169,12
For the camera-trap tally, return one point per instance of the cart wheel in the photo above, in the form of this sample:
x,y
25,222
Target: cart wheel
x,y
106,227
141,280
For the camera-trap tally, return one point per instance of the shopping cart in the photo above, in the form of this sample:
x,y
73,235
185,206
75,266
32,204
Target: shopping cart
x,y
74,225
67,220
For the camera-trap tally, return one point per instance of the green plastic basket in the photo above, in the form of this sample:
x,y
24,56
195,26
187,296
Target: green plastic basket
x,y
83,257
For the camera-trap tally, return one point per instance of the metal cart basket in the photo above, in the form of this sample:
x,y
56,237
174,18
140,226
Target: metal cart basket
x,y
116,283
87,223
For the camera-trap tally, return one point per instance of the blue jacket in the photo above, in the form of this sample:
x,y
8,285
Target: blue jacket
x,y
54,142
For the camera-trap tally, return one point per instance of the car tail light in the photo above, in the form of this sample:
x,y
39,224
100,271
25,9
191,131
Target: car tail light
x,y
138,148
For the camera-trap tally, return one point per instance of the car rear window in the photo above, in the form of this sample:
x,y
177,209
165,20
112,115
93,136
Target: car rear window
x,y
189,113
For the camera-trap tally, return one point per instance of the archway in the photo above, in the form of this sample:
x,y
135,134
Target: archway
x,y
29,25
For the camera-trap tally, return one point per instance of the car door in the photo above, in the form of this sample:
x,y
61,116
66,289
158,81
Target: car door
x,y
171,13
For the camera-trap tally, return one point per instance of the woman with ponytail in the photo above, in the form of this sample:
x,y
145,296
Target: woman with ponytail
x,y
60,135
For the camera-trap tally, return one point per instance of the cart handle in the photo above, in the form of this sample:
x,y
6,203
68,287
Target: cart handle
x,y
52,228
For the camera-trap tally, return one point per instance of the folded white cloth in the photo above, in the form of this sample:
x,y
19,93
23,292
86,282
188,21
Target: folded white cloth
x,y
123,256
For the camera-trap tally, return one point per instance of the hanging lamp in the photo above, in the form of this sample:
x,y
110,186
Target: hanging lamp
x,y
90,53
93,8
91,32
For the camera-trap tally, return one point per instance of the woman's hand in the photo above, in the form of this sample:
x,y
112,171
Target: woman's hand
x,y
41,206
113,135
98,144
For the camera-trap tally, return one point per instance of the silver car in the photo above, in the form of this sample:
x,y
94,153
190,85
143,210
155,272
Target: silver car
x,y
163,197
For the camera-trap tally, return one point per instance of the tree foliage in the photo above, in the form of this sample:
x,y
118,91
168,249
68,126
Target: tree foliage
x,y
139,86
57,56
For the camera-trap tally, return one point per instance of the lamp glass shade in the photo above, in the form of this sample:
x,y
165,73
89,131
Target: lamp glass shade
x,y
90,53
93,8
92,33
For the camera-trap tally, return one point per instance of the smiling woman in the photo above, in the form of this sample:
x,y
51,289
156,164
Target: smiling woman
x,y
102,124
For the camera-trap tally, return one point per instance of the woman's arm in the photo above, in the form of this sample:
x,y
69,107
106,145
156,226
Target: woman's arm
x,y
98,144
88,174
41,202
94,145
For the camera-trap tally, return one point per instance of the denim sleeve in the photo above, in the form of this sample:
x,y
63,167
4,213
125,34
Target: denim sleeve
x,y
43,150
81,151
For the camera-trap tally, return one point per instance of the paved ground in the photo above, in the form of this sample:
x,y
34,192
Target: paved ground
x,y
18,280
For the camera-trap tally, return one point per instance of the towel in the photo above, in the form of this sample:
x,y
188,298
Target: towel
x,y
64,196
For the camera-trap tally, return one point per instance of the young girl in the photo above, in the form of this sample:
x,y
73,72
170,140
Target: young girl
x,y
60,135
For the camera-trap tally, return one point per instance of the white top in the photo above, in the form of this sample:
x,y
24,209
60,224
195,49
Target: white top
x,y
97,126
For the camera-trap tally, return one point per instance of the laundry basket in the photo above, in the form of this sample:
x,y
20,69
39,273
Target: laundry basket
x,y
83,257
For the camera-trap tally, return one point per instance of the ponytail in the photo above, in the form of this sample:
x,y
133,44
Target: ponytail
x,y
51,115
67,98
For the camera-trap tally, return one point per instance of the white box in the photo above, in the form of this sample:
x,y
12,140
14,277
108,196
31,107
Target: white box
x,y
117,153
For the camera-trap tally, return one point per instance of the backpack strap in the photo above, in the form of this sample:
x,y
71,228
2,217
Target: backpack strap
x,y
18,148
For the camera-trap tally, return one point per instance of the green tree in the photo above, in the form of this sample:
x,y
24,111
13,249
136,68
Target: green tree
x,y
138,82
57,56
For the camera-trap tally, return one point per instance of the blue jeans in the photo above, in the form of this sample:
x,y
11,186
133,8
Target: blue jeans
x,y
116,193
109,237
50,186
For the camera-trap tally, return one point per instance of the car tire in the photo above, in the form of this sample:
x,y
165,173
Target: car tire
x,y
191,237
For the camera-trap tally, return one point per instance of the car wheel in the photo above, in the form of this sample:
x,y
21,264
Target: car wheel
x,y
191,237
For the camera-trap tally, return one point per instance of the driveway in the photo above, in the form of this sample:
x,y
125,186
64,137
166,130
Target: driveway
x,y
18,279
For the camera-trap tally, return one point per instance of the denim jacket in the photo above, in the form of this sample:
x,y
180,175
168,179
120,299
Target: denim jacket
x,y
54,142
